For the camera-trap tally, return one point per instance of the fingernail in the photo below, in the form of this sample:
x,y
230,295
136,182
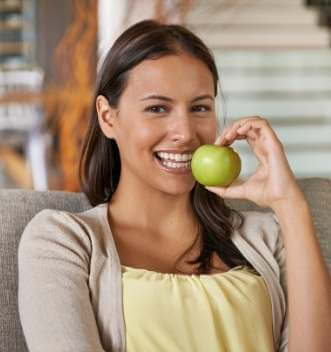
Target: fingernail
x,y
218,140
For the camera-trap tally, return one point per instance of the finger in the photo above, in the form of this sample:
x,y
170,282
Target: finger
x,y
230,192
251,131
243,123
252,135
221,140
228,137
238,130
260,126
230,134
256,129
263,144
218,140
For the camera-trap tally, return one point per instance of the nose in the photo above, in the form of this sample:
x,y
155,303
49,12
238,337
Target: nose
x,y
183,129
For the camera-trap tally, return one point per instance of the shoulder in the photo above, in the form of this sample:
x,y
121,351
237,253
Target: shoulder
x,y
61,230
261,228
261,233
259,219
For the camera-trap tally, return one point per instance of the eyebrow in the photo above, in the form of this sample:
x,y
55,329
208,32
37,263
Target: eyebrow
x,y
161,97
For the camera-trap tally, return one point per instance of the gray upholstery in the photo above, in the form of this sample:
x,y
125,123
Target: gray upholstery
x,y
17,207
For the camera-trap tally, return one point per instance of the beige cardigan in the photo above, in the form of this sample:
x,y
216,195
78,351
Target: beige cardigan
x,y
70,287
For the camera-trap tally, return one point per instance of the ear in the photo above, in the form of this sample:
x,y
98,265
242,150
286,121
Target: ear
x,y
106,116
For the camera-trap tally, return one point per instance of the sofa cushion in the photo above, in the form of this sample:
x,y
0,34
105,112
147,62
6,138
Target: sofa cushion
x,y
17,207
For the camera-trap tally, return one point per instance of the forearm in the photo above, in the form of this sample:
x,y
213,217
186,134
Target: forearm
x,y
308,280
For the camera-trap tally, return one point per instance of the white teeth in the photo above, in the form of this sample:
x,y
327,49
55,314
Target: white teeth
x,y
173,165
175,157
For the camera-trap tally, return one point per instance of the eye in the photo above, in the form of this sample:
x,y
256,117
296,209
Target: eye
x,y
157,109
201,108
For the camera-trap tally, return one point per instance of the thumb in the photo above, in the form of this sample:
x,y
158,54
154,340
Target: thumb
x,y
231,192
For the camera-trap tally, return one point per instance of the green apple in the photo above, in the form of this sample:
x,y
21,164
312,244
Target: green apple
x,y
214,165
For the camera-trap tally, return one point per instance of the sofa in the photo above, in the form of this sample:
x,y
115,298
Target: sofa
x,y
18,206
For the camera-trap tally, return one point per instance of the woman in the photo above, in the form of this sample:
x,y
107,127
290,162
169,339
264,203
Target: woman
x,y
160,263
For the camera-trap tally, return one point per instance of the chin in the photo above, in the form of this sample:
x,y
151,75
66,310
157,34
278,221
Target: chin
x,y
177,190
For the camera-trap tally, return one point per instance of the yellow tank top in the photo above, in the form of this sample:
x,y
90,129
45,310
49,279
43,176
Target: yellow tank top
x,y
223,312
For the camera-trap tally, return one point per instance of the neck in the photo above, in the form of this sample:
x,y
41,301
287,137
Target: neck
x,y
153,211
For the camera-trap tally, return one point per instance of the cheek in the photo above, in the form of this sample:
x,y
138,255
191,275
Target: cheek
x,y
141,137
208,132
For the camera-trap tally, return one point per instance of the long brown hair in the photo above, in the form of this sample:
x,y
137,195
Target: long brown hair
x,y
100,166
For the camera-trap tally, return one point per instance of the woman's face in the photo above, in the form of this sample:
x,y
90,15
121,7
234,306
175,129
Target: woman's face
x,y
165,113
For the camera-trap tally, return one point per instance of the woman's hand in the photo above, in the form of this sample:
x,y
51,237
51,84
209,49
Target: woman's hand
x,y
273,181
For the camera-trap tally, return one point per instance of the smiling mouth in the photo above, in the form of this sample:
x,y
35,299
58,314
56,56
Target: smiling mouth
x,y
171,164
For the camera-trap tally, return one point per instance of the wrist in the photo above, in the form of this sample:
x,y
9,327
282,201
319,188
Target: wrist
x,y
294,200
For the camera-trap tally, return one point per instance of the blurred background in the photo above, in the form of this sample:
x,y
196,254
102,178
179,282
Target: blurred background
x,y
274,59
